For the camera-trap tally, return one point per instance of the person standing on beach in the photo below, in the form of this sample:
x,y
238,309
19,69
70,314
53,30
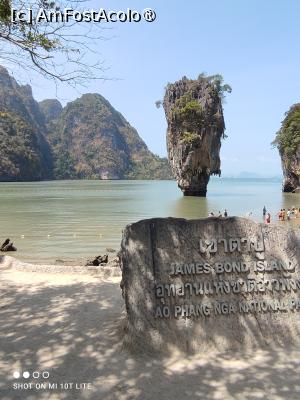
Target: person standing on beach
x,y
225,213
264,212
268,218
283,214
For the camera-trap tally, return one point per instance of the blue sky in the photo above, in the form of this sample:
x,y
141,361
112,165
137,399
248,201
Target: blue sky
x,y
253,44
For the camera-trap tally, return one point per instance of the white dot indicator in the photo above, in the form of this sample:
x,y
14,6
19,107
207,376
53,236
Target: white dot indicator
x,y
46,374
16,375
26,374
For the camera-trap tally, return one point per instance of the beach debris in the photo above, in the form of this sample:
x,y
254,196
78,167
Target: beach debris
x,y
115,263
7,245
99,260
110,250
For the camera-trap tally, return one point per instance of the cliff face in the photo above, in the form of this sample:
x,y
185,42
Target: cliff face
x,y
195,120
87,139
24,152
291,171
51,108
90,139
288,143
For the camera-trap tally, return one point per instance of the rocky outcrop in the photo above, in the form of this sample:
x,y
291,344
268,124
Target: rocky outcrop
x,y
215,283
25,154
90,139
288,143
87,139
7,245
51,108
196,126
291,172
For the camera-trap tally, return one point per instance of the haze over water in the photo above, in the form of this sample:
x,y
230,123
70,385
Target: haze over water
x,y
77,220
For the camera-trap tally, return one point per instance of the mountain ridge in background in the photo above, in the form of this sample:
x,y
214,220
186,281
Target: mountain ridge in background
x,y
25,154
86,139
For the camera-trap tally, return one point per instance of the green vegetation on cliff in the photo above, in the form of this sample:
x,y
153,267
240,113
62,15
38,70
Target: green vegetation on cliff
x,y
21,155
187,112
24,152
87,139
196,126
90,139
288,137
288,143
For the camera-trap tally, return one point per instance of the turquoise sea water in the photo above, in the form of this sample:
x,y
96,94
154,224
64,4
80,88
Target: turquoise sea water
x,y
76,220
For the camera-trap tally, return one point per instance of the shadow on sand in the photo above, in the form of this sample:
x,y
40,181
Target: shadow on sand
x,y
73,331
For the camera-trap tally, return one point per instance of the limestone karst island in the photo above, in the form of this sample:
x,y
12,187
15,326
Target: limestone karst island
x,y
196,126
149,200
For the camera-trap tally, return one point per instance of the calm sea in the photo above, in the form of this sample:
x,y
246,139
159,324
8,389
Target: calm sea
x,y
76,220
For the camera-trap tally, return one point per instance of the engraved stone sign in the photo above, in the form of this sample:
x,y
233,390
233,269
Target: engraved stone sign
x,y
225,283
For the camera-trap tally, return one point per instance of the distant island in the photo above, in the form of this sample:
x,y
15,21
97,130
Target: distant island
x,y
251,175
87,139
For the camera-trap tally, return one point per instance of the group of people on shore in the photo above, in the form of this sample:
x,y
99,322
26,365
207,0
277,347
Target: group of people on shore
x,y
283,214
288,214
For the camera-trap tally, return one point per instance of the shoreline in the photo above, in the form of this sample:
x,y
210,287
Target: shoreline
x,y
79,263
68,223
12,263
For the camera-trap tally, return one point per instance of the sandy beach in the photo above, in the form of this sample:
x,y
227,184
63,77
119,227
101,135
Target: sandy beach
x,y
68,321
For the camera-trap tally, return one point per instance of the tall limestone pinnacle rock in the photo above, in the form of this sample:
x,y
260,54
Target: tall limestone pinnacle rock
x,y
196,126
288,143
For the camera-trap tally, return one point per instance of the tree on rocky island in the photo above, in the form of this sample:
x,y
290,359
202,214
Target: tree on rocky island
x,y
288,143
196,126
57,50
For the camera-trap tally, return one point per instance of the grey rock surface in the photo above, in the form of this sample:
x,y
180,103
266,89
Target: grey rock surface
x,y
196,125
291,171
258,305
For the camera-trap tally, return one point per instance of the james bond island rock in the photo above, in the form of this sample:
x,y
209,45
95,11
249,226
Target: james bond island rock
x,y
196,126
288,143
216,283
